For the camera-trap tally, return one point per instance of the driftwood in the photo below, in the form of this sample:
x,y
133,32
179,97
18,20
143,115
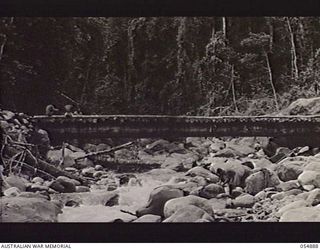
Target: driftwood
x,y
42,165
35,169
67,97
104,151
128,212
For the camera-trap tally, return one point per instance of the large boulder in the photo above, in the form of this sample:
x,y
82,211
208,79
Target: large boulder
x,y
280,154
148,218
173,163
292,205
97,214
63,184
178,180
33,195
125,154
288,185
313,166
301,214
189,213
82,189
105,146
187,186
260,180
216,145
70,158
293,192
12,192
100,197
212,160
309,177
198,145
88,171
159,145
219,203
89,147
174,205
289,170
245,201
314,197
151,158
231,152
124,179
38,188
303,106
211,191
16,181
162,146
21,209
200,171
180,162
251,142
241,149
230,212
157,200
263,163
198,142
37,180
161,174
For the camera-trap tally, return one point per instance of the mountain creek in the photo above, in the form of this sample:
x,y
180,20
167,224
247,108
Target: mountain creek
x,y
249,179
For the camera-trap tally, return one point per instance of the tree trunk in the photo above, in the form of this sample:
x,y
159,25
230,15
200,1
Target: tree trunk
x,y
4,38
213,28
224,27
271,80
294,63
181,56
233,89
211,52
131,66
85,85
271,32
302,41
3,43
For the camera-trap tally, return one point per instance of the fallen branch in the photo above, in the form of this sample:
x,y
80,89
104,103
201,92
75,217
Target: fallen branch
x,y
23,144
21,159
13,158
231,216
35,169
43,165
104,151
67,97
128,212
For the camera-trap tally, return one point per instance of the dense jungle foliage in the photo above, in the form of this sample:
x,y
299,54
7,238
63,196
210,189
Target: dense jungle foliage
x,y
158,65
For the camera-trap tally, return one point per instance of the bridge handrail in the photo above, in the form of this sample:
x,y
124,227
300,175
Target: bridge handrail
x,y
182,117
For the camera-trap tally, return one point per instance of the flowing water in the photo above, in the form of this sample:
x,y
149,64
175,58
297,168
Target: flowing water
x,y
130,199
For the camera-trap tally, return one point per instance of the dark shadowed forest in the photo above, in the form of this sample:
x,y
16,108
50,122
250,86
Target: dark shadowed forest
x,y
159,65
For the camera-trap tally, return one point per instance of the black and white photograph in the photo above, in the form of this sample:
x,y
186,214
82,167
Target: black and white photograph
x,y
177,119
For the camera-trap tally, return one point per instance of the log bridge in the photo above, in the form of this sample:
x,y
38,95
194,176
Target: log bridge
x,y
88,128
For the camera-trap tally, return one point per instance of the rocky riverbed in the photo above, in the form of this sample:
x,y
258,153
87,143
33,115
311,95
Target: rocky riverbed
x,y
158,180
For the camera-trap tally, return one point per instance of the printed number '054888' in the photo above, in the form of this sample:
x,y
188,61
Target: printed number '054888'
x,y
308,245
